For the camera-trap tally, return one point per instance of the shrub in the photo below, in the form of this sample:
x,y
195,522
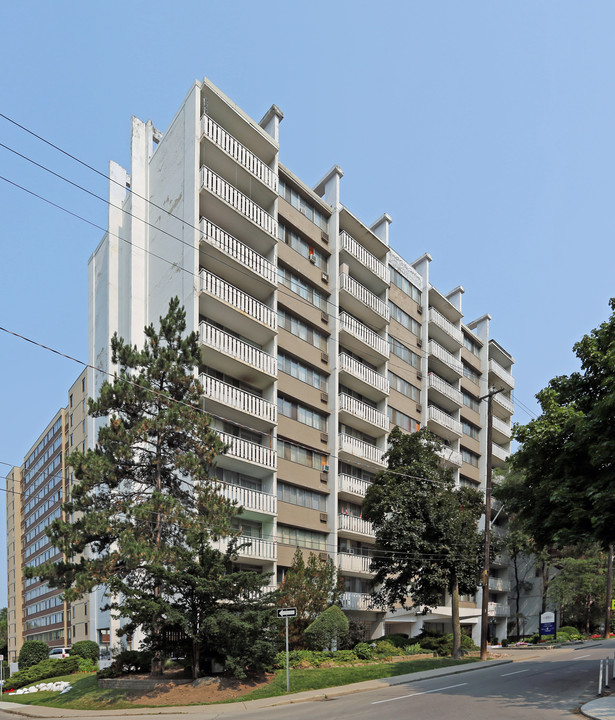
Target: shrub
x,y
385,649
443,644
328,630
41,671
313,658
364,651
416,649
109,672
126,662
86,664
568,630
32,652
505,642
400,640
87,649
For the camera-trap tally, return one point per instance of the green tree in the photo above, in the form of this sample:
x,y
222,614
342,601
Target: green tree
x,y
31,653
426,530
310,587
4,633
328,630
145,484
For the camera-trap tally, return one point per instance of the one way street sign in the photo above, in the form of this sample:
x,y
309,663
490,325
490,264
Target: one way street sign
x,y
287,612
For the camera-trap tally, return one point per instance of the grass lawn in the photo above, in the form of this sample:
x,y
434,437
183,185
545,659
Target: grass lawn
x,y
85,694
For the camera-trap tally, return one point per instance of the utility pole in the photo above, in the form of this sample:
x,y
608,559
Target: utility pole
x,y
609,594
484,625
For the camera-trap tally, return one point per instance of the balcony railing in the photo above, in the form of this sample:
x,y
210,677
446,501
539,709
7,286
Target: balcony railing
x,y
505,402
499,452
347,562
249,451
446,357
504,375
437,383
259,548
242,351
352,485
364,334
238,201
357,251
364,411
231,295
499,584
363,295
438,319
361,449
240,399
442,418
239,152
451,456
356,601
249,499
237,250
352,523
498,610
362,372
501,426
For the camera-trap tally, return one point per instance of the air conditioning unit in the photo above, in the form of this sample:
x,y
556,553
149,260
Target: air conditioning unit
x,y
324,357
325,468
324,478
324,517
324,237
324,317
313,258
419,375
324,556
419,309
324,397
419,408
324,437
419,342
325,277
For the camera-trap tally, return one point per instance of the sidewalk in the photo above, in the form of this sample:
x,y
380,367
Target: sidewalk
x,y
601,709
238,709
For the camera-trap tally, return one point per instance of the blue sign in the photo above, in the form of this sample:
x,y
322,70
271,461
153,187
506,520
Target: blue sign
x,y
547,623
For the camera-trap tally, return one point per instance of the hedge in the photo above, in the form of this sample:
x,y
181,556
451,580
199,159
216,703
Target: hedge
x,y
41,671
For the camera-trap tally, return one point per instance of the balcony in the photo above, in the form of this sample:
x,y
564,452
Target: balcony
x,y
501,430
503,403
365,258
238,201
362,302
448,426
357,448
444,330
445,390
354,524
259,549
358,331
240,153
235,298
367,416
499,584
450,456
356,601
358,564
241,400
445,357
499,452
234,249
237,350
249,499
502,374
364,374
352,486
498,610
248,451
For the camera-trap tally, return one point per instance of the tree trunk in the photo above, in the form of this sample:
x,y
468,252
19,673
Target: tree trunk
x,y
517,595
157,669
455,620
196,659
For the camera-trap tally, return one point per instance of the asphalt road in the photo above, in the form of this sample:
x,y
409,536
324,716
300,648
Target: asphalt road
x,y
551,685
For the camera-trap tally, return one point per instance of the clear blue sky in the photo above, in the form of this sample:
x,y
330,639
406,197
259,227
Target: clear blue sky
x,y
485,129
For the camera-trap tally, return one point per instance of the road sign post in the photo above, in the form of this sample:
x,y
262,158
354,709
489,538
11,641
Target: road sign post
x,y
287,613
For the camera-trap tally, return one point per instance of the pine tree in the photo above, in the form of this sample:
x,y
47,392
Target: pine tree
x,y
145,486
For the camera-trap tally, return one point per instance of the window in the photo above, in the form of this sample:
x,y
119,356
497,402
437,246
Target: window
x,y
302,288
301,413
353,432
467,482
247,528
234,478
83,384
357,396
344,468
348,508
404,387
404,319
304,538
358,358
302,330
354,547
300,496
300,203
472,346
70,399
405,422
470,373
469,429
403,352
405,285
299,370
301,455
357,585
302,246
469,457
470,401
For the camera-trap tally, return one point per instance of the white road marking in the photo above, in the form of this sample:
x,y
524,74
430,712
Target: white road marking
x,y
578,657
401,697
514,673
